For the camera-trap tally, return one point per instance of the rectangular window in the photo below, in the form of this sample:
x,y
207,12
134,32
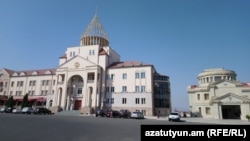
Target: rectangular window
x,y
124,88
208,111
32,83
107,77
11,93
137,75
124,100
137,89
107,102
42,92
79,91
31,93
143,88
112,77
142,74
112,89
143,100
21,83
12,84
46,92
124,76
107,89
43,83
112,100
206,96
137,100
47,82
198,96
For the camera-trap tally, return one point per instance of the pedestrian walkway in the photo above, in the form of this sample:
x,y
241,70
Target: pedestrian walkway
x,y
207,120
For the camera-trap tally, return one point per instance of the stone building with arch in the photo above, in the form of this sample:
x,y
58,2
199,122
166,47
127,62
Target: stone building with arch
x,y
219,95
91,76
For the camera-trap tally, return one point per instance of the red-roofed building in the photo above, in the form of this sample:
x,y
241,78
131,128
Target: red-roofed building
x,y
91,76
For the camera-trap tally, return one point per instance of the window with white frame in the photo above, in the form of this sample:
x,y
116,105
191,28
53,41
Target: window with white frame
x,y
143,100
137,88
79,91
124,100
31,93
112,89
124,76
124,88
112,76
137,75
107,77
137,100
143,88
142,74
107,89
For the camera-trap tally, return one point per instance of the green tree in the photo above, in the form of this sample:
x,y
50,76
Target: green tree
x,y
10,102
25,102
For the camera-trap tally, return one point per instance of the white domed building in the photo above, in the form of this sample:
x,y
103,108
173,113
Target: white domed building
x,y
219,95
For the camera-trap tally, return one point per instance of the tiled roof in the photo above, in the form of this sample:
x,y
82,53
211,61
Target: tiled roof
x,y
63,56
102,52
31,72
128,64
245,84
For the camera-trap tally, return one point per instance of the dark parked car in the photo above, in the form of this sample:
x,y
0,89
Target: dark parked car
x,y
99,112
124,113
42,110
113,113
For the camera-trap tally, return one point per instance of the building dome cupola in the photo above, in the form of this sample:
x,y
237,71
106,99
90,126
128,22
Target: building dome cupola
x,y
94,34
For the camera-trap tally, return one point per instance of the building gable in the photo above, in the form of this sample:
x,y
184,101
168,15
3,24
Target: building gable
x,y
77,62
230,99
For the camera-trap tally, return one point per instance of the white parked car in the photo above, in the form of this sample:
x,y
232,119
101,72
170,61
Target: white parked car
x,y
174,116
137,115
17,111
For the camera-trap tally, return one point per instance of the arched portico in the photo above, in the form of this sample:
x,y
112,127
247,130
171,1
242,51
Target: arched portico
x,y
74,94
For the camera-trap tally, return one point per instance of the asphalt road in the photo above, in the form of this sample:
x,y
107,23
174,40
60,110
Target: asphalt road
x,y
19,127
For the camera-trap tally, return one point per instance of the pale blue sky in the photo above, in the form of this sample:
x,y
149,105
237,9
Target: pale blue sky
x,y
180,38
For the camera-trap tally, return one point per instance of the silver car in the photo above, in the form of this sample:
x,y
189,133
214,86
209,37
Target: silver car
x,y
27,110
137,115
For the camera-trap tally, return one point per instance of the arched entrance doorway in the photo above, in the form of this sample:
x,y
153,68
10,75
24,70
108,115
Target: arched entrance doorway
x,y
75,94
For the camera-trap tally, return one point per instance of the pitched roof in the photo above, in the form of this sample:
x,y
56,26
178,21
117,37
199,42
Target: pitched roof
x,y
102,52
30,72
127,64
